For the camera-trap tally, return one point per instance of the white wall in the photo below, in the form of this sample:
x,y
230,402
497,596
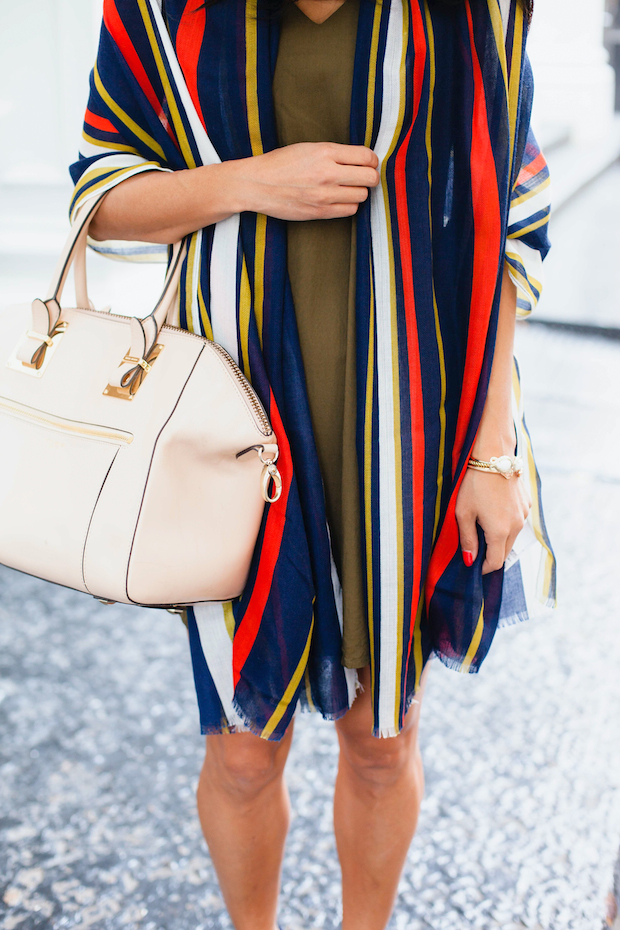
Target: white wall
x,y
47,48
574,82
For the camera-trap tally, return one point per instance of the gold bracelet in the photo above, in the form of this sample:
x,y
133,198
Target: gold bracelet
x,y
504,465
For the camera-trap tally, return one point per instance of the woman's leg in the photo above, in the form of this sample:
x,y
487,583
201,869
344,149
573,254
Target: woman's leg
x,y
244,811
379,790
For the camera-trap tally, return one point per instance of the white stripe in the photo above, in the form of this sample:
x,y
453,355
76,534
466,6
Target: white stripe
x,y
350,674
532,263
223,266
389,628
208,155
217,649
530,207
223,284
504,8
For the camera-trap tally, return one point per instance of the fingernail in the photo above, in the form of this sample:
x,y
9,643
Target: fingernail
x,y
468,558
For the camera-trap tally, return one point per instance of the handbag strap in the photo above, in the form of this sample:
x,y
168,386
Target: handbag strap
x,y
46,314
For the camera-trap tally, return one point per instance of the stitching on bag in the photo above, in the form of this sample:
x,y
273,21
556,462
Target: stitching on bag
x,y
87,533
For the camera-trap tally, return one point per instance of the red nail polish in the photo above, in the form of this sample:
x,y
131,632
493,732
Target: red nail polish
x,y
468,558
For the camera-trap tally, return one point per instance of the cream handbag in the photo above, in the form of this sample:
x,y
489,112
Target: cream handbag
x,y
135,457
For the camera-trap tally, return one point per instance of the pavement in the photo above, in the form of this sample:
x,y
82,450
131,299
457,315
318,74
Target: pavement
x,y
520,827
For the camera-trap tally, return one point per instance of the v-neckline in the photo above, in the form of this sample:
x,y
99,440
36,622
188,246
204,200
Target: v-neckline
x,y
323,21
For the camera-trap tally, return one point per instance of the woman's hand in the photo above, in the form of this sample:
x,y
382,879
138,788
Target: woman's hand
x,y
500,506
307,180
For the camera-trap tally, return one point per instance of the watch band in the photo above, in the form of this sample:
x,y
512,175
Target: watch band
x,y
504,465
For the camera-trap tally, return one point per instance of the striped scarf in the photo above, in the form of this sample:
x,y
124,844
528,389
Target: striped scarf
x,y
443,95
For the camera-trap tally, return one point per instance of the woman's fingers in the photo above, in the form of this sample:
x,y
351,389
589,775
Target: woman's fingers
x,y
468,535
495,554
352,154
351,176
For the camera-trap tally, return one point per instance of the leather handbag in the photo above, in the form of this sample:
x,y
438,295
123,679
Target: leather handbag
x,y
135,457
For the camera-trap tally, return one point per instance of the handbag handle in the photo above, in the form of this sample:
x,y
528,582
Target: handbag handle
x,y
46,314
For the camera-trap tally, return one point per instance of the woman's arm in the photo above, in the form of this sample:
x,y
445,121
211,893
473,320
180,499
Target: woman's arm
x,y
305,181
500,506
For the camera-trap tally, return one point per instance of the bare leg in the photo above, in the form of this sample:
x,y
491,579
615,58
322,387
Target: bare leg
x,y
244,810
379,790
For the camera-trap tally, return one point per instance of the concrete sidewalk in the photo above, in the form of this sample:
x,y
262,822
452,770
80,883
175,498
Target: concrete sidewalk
x,y
100,751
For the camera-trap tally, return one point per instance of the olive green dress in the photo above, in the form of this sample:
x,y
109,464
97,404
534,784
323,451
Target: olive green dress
x,y
312,97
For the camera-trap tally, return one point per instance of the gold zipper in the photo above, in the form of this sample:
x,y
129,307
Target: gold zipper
x,y
246,387
60,423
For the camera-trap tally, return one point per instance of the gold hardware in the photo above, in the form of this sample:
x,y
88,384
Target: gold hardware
x,y
175,610
269,472
22,412
137,361
40,338
51,343
129,391
103,600
248,390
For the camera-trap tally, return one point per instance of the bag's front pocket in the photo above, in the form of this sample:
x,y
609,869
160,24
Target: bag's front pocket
x,y
52,470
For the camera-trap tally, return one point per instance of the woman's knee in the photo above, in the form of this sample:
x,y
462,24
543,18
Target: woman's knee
x,y
380,763
243,765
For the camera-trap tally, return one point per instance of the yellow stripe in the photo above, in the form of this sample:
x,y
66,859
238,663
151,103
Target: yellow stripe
x,y
251,72
533,193
288,695
417,642
256,142
368,447
245,303
170,98
229,619
473,646
440,349
515,77
525,283
259,271
204,316
372,72
530,228
192,324
498,32
125,118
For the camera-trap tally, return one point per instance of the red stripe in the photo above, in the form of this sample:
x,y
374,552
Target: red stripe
x,y
99,122
534,167
249,626
188,45
487,240
116,28
413,346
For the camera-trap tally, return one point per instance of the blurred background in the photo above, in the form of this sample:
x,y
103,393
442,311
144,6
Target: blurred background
x,y
99,744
